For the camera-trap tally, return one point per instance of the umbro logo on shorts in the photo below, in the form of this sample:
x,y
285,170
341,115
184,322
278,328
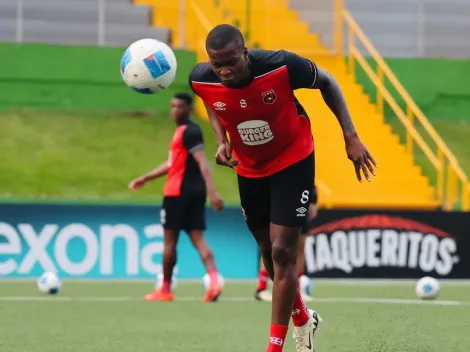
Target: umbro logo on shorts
x,y
301,211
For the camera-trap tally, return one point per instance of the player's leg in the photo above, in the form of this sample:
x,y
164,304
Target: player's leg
x,y
262,293
290,196
301,261
301,251
195,224
171,220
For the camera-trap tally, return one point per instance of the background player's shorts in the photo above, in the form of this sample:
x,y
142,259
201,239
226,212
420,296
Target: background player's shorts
x,y
281,199
184,213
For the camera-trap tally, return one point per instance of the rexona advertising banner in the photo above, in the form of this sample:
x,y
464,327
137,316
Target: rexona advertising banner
x,y
379,244
95,241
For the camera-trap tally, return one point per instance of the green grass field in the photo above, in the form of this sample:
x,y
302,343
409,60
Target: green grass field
x,y
51,154
99,316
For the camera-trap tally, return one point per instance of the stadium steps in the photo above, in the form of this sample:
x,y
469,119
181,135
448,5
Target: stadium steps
x,y
399,182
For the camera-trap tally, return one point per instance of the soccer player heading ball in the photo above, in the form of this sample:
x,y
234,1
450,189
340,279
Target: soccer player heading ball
x,y
249,96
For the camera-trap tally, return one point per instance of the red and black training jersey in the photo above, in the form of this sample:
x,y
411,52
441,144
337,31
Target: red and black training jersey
x,y
184,176
268,128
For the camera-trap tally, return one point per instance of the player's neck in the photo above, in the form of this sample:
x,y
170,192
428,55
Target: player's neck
x,y
184,122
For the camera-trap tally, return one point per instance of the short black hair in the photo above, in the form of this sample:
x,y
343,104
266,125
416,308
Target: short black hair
x,y
186,97
219,37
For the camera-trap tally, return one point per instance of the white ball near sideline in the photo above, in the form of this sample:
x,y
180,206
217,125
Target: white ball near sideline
x,y
427,288
305,284
49,283
206,281
159,282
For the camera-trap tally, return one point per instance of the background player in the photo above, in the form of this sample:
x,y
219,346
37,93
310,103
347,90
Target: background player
x,y
249,95
189,177
262,293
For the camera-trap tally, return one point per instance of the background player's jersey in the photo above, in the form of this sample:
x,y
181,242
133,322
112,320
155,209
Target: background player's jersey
x,y
184,176
268,128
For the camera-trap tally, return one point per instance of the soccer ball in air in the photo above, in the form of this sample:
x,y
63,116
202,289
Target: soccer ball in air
x,y
159,282
206,281
305,284
49,283
148,66
427,288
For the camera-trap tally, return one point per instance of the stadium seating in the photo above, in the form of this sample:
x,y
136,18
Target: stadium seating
x,y
400,28
76,22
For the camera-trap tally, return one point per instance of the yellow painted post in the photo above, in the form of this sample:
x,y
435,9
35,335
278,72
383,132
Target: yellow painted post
x,y
380,98
447,195
466,196
338,29
440,176
351,64
451,187
409,137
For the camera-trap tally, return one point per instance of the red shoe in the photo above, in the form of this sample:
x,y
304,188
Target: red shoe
x,y
213,293
159,295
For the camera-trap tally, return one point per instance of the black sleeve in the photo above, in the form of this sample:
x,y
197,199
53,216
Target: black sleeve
x,y
302,71
202,72
192,138
191,79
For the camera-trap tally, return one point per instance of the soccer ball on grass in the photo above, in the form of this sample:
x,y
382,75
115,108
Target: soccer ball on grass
x,y
305,284
427,288
148,66
49,283
206,281
159,282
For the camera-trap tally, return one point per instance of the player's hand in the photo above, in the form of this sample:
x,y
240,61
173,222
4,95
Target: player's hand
x,y
312,211
360,156
224,154
216,201
136,184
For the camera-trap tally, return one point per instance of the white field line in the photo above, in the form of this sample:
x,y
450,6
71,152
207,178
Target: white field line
x,y
236,299
361,282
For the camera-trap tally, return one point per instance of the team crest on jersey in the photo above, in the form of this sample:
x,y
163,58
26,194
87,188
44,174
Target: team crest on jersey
x,y
269,97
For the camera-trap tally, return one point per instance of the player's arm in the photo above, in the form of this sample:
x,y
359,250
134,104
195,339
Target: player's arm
x,y
334,98
206,173
193,142
303,73
139,182
224,149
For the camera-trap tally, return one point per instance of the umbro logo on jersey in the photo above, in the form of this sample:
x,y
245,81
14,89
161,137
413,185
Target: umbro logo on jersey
x,y
301,211
219,106
269,97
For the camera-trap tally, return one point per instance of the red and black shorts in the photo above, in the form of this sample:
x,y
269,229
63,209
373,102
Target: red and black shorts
x,y
282,199
184,213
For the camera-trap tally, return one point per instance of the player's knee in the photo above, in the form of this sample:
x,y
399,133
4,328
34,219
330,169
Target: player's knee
x,y
169,249
283,255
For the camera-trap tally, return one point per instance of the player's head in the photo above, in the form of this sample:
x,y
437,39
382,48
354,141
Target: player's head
x,y
181,107
228,55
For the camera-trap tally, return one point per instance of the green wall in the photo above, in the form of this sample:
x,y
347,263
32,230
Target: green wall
x,y
86,78
439,86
